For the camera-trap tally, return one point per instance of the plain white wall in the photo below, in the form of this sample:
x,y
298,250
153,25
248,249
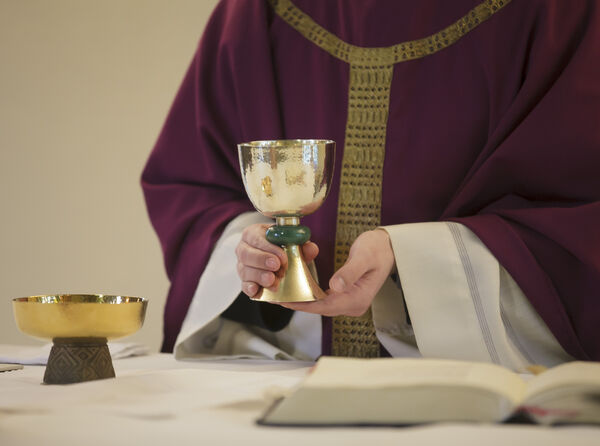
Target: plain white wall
x,y
85,86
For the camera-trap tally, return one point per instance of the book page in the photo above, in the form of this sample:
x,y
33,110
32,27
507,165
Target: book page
x,y
576,374
349,373
566,394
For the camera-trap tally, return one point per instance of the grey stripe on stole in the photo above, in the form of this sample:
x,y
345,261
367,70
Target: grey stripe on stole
x,y
474,291
512,335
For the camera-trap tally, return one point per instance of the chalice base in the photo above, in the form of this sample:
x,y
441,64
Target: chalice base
x,y
74,360
298,283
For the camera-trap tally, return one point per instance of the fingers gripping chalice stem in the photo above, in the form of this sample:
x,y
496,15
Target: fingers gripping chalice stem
x,y
297,283
286,180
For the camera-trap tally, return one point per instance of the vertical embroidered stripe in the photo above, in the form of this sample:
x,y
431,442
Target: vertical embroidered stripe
x,y
510,331
474,291
359,204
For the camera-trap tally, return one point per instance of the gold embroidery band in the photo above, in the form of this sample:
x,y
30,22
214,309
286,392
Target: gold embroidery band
x,y
359,203
409,50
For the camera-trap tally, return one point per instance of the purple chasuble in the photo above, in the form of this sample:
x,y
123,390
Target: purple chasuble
x,y
499,131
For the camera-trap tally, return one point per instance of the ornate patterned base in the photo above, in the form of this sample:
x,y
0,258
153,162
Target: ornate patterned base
x,y
74,360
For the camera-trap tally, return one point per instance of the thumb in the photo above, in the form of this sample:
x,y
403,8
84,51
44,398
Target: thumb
x,y
350,273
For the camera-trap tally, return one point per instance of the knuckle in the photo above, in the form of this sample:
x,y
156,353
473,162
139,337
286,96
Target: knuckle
x,y
243,273
256,235
246,233
249,288
248,275
267,279
243,256
252,233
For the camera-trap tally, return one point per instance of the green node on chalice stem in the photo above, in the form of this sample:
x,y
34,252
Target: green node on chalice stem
x,y
296,281
288,235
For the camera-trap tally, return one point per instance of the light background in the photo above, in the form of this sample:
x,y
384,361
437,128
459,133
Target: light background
x,y
85,87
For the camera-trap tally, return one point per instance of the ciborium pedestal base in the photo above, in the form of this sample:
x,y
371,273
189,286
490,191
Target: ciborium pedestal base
x,y
74,360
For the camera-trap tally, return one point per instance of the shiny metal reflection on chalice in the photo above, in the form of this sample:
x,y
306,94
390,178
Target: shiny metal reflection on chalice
x,y
79,326
286,180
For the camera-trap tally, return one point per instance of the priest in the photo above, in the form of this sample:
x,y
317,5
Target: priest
x,y
462,220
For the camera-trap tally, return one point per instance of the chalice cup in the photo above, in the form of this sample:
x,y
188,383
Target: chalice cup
x,y
79,326
286,180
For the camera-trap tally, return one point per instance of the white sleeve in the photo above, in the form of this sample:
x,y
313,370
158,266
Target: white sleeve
x,y
204,334
462,303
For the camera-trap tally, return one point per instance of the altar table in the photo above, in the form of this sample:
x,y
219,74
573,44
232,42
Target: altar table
x,y
156,400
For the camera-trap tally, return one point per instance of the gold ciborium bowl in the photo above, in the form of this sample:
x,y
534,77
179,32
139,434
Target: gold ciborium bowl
x,y
79,326
286,180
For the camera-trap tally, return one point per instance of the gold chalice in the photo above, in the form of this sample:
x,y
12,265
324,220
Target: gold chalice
x,y
79,326
286,180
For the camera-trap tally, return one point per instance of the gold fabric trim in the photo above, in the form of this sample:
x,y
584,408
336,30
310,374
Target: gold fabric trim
x,y
359,205
359,202
409,50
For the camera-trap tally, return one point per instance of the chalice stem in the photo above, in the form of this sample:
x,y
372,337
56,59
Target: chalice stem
x,y
297,283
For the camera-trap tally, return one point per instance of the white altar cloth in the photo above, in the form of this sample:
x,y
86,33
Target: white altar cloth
x,y
156,400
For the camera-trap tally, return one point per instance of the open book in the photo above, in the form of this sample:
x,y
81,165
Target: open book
x,y
397,391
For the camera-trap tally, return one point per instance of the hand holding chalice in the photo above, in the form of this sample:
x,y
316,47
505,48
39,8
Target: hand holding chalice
x,y
286,180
